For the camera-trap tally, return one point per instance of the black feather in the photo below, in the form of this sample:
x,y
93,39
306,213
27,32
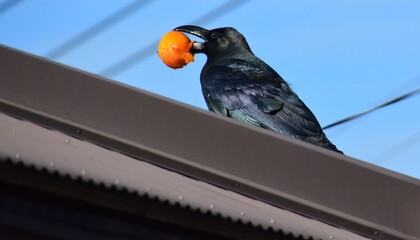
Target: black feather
x,y
238,84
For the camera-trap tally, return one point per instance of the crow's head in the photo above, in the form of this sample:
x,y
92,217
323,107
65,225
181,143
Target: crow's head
x,y
224,42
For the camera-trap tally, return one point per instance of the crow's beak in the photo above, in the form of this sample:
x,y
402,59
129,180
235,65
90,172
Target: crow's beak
x,y
196,31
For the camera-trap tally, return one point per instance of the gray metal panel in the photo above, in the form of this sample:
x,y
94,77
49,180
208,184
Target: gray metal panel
x,y
48,149
294,175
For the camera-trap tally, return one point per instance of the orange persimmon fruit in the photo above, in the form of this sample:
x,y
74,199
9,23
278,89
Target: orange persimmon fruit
x,y
174,49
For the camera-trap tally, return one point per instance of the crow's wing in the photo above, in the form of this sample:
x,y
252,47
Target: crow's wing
x,y
259,96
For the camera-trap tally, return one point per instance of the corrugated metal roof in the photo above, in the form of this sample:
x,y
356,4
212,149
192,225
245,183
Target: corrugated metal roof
x,y
41,203
55,151
248,162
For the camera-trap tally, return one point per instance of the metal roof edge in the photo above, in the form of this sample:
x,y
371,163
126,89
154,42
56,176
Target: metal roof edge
x,y
18,174
306,179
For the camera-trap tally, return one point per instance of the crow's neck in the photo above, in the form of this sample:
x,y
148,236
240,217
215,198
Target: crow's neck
x,y
229,55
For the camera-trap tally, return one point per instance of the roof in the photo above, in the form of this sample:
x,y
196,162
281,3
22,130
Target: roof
x,y
43,204
57,152
234,160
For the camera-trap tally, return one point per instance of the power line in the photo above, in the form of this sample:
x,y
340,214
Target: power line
x,y
7,5
410,84
96,29
150,49
400,147
390,102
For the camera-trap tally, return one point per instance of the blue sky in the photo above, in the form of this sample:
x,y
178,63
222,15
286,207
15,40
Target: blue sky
x,y
341,57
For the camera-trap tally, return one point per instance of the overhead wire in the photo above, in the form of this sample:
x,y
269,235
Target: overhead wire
x,y
97,28
401,146
411,83
8,4
387,103
147,51
398,147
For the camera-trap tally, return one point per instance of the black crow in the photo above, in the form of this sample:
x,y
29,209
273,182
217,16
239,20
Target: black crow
x,y
238,84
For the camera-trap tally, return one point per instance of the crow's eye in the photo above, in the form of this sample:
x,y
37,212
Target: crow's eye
x,y
214,34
